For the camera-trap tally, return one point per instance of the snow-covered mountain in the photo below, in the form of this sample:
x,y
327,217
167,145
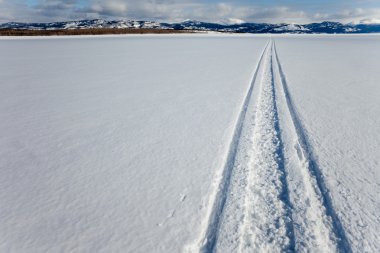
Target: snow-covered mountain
x,y
82,24
323,27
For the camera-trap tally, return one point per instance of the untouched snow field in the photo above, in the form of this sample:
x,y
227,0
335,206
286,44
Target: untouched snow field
x,y
190,143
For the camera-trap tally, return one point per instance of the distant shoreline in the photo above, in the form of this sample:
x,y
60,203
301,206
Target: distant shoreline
x,y
120,27
88,31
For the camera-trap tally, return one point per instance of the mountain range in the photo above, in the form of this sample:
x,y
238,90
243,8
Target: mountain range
x,y
323,27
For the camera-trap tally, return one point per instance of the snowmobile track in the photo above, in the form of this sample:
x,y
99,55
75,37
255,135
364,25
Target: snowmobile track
x,y
272,196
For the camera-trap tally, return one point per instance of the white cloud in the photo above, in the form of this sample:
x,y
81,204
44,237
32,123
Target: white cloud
x,y
109,8
370,21
271,15
235,21
357,15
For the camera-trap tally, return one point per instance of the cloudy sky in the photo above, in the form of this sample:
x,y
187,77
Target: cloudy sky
x,y
227,11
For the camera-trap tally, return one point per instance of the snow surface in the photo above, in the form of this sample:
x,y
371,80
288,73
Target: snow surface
x,y
112,144
190,143
334,81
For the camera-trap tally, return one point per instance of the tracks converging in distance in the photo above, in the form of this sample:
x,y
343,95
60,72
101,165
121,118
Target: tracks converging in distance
x,y
272,196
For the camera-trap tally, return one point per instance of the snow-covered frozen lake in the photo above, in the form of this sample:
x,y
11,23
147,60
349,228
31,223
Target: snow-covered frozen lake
x,y
190,143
